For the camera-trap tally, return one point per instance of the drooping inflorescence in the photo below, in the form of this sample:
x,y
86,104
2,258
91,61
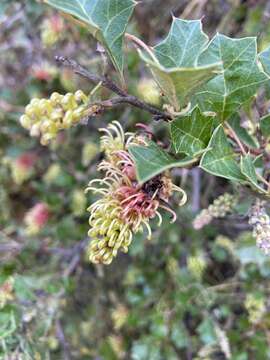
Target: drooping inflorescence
x,y
260,221
46,117
221,206
125,207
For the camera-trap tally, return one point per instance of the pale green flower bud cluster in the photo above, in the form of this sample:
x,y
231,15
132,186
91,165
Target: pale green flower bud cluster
x,y
221,206
260,222
46,117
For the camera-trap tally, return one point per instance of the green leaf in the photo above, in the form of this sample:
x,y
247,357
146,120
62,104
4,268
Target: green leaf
x,y
265,125
242,133
206,331
240,79
264,58
220,159
191,133
106,19
7,323
173,62
247,252
152,160
249,171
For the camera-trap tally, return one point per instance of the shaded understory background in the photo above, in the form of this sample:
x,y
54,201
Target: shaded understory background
x,y
185,294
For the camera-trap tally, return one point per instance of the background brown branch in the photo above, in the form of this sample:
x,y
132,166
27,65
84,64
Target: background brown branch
x,y
124,97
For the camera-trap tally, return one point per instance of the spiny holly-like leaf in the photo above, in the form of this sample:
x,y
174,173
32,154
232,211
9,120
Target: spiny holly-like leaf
x,y
264,58
152,160
106,19
220,159
242,133
265,125
249,171
240,79
191,133
174,62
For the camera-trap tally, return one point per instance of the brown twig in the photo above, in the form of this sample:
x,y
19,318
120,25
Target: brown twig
x,y
141,44
236,138
124,97
134,101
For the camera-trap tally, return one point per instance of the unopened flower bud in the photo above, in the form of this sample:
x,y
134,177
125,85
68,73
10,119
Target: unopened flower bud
x,y
149,91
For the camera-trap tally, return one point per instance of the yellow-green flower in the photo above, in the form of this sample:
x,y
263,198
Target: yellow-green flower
x,y
125,207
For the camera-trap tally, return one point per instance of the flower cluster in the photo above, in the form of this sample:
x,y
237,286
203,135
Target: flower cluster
x,y
126,207
36,218
6,292
260,222
256,308
52,30
46,117
119,316
221,206
196,265
44,71
22,168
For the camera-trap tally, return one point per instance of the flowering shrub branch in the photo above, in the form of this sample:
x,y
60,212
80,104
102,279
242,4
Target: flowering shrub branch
x,y
203,85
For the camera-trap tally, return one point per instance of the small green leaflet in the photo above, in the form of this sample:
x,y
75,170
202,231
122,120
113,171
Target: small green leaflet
x,y
174,62
265,125
191,133
242,133
240,79
220,159
248,169
152,160
264,58
106,19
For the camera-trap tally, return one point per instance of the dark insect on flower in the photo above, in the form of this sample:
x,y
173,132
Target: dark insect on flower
x,y
126,207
